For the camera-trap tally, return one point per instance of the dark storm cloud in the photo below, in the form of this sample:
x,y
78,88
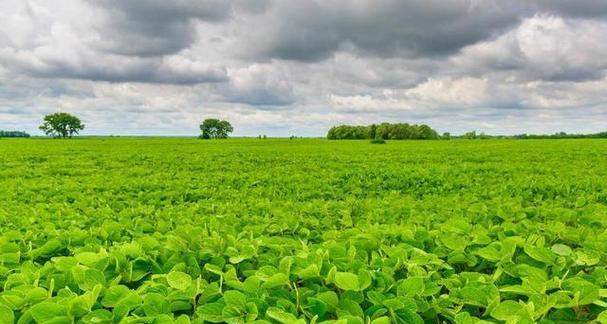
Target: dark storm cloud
x,y
252,6
138,72
154,27
262,97
573,8
90,66
259,85
315,30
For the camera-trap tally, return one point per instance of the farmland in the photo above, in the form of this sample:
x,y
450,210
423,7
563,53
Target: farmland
x,y
161,230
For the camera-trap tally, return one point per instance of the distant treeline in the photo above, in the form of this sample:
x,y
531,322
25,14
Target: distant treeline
x,y
400,131
559,135
386,131
562,135
13,134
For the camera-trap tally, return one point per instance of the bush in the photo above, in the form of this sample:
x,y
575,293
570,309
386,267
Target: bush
x,y
378,141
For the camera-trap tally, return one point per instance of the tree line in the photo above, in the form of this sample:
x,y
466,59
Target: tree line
x,y
385,131
13,134
559,135
64,125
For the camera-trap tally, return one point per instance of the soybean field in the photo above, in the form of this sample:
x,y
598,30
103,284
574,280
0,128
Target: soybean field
x,y
176,230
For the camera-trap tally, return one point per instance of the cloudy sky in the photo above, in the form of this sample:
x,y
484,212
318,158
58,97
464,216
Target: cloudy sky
x,y
296,67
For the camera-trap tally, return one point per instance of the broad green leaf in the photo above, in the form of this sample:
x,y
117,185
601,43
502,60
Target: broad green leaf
x,y
585,292
283,317
508,310
47,311
347,281
211,312
6,315
309,272
541,254
381,320
561,249
179,280
235,298
410,287
155,304
99,316
277,280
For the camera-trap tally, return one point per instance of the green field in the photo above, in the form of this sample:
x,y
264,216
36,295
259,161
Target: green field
x,y
162,230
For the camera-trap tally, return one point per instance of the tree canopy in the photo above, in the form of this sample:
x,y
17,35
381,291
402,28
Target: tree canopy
x,y
384,131
215,128
61,125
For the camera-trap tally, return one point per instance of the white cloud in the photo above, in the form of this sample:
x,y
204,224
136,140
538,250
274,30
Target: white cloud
x,y
451,92
544,48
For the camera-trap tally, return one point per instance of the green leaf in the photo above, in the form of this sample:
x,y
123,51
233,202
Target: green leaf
x,y
92,278
347,281
406,316
561,249
364,279
349,307
183,319
490,252
99,316
508,310
277,280
411,287
541,254
330,298
235,298
465,318
232,314
89,258
283,317
50,248
179,280
6,315
381,320
36,295
47,311
585,292
121,296
155,304
211,312
309,272
213,269
80,306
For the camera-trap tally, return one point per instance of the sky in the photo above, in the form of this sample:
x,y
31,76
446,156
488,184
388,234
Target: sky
x,y
298,67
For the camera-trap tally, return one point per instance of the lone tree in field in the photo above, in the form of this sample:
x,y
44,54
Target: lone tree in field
x,y
215,128
61,125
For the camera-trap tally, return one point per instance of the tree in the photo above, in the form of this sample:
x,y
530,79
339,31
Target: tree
x,y
373,131
61,125
470,135
215,128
